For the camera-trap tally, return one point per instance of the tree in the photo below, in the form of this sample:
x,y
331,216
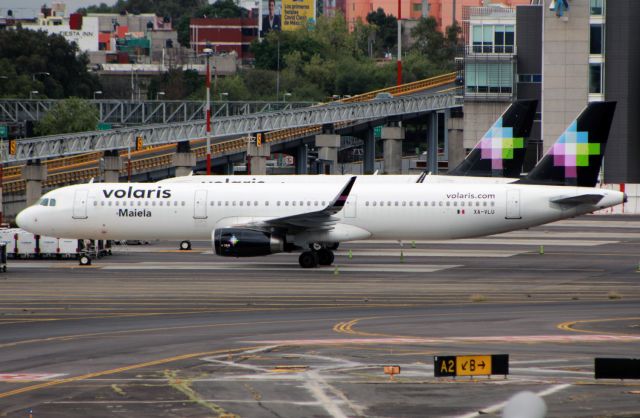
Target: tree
x,y
69,115
33,60
430,42
386,36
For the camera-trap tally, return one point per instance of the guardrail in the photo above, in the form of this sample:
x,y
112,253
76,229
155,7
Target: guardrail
x,y
78,163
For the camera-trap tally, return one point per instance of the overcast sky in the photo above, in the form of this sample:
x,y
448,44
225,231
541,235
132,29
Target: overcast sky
x,y
30,8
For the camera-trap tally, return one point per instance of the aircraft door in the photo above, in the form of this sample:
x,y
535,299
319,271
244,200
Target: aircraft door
x,y
200,204
80,204
350,208
513,204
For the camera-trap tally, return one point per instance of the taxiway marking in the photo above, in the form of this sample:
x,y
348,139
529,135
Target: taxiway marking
x,y
571,325
120,370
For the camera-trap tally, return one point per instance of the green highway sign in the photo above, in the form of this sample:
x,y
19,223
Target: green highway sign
x,y
4,131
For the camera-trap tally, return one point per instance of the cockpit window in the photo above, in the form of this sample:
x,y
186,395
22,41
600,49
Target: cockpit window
x,y
52,202
44,202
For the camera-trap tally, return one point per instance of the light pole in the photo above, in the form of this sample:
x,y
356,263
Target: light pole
x,y
32,92
208,52
96,93
285,95
399,82
158,94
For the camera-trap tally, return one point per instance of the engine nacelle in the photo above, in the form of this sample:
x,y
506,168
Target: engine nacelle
x,y
242,242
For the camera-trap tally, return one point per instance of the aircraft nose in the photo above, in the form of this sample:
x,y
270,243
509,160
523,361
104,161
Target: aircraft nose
x,y
25,219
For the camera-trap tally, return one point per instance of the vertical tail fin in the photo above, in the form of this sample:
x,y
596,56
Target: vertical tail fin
x,y
576,157
500,152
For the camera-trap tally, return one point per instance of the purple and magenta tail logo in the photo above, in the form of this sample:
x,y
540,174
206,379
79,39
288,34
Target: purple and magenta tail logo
x,y
572,150
498,144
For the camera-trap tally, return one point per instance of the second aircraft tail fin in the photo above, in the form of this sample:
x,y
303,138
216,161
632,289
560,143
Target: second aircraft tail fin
x,y
500,152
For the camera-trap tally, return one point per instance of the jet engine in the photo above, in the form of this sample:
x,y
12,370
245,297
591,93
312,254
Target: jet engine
x,y
243,242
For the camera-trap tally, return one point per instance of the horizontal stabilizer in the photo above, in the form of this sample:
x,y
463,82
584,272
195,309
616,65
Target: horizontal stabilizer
x,y
582,199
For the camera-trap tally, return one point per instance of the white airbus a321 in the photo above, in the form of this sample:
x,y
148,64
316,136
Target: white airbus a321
x,y
244,220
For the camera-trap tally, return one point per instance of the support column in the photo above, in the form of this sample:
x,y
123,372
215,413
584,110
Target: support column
x,y
34,173
432,143
302,159
328,145
369,157
228,167
112,166
456,151
392,137
184,159
257,156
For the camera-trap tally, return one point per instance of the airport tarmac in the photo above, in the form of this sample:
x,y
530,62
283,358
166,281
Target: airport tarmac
x,y
153,331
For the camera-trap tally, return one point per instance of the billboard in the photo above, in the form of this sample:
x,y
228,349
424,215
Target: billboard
x,y
277,15
297,13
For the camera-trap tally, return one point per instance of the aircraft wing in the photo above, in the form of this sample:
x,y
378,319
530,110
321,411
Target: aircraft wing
x,y
582,199
310,221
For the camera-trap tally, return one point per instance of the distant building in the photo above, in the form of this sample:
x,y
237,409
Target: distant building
x,y
441,10
224,35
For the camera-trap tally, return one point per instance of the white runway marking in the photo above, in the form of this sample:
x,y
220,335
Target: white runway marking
x,y
497,407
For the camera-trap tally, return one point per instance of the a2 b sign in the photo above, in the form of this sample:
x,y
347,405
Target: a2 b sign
x,y
483,365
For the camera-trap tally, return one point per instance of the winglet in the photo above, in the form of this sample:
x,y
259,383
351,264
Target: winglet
x,y
340,200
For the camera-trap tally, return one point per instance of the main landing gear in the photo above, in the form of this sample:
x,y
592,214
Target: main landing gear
x,y
313,258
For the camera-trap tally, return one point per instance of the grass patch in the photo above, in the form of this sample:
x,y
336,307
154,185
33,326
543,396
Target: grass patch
x,y
613,295
477,297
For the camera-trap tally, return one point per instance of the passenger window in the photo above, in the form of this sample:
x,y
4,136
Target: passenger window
x,y
278,203
153,203
160,203
293,203
117,203
233,203
146,203
493,203
219,202
110,203
308,203
95,203
477,203
255,203
286,203
323,203
381,203
266,203
470,203
455,203
226,203
404,203
301,203
241,203
389,203
366,203
183,203
461,203
411,203
448,203
484,203
375,203
315,203
417,203
397,203
102,203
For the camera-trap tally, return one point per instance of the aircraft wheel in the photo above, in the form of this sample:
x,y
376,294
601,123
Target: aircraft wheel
x,y
308,259
325,257
85,260
185,245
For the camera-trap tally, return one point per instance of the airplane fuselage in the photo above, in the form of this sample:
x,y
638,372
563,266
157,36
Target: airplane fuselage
x,y
381,211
